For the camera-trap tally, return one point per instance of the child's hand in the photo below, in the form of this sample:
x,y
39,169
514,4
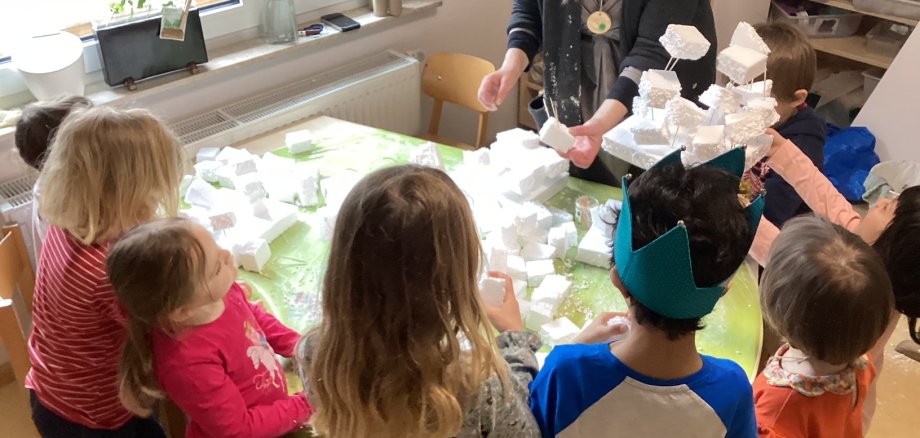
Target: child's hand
x,y
599,331
505,317
247,292
778,141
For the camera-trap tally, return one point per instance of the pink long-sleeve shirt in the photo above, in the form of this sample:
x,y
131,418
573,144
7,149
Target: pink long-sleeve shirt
x,y
225,375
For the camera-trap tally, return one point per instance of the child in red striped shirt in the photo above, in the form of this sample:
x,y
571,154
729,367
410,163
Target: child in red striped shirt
x,y
193,335
108,171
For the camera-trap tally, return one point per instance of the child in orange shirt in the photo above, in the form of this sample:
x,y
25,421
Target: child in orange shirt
x,y
827,293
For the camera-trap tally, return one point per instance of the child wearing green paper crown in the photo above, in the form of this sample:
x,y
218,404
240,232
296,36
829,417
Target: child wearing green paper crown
x,y
682,235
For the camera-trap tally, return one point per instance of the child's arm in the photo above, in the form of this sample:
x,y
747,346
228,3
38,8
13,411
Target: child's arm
x,y
281,338
207,395
763,240
814,188
509,413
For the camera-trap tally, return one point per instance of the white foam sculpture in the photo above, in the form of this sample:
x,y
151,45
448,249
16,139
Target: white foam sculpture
x,y
658,87
684,42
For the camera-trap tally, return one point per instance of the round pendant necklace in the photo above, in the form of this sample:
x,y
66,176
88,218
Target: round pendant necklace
x,y
599,22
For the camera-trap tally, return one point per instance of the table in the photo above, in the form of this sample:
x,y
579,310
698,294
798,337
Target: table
x,y
291,283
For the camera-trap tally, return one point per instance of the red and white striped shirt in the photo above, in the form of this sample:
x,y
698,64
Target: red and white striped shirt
x,y
78,333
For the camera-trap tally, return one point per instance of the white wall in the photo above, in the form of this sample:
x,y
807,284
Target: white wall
x,y
475,27
893,109
729,12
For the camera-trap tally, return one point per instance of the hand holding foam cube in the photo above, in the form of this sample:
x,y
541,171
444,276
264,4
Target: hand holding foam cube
x,y
658,87
619,320
556,135
684,42
492,290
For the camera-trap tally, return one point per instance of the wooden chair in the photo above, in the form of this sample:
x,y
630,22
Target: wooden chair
x,y
455,78
15,274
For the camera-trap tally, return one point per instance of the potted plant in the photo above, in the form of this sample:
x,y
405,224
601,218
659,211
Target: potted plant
x,y
132,49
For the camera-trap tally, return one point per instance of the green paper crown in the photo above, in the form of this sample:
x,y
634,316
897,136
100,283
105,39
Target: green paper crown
x,y
660,274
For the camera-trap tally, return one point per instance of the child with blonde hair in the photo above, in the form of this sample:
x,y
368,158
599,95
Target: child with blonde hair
x,y
193,335
827,293
108,171
405,348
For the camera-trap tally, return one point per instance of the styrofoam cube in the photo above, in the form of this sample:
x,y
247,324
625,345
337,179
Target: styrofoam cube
x,y
207,170
741,64
651,132
766,108
619,320
225,175
556,239
337,187
571,233
721,99
492,290
527,139
538,313
281,188
308,186
708,142
327,216
229,155
556,135
640,107
252,255
509,234
201,194
537,270
498,260
519,180
206,154
527,216
744,126
276,165
757,90
594,249
561,216
684,113
533,235
223,221
746,36
553,289
560,331
299,142
520,287
517,268
479,157
537,251
544,217
243,167
684,42
427,155
252,188
658,87
280,216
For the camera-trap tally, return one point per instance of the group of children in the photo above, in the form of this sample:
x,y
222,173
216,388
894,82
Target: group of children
x,y
133,305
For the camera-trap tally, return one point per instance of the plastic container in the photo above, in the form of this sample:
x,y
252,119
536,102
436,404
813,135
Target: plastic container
x,y
832,23
871,78
51,65
898,8
887,38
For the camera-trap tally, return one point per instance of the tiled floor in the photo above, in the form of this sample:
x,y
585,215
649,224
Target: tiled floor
x,y
896,417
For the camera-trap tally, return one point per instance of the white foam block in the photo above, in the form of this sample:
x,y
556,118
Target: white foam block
x,y
299,142
327,217
252,255
527,139
427,155
252,188
479,157
684,113
281,216
229,155
533,235
206,154
519,180
556,135
223,221
619,320
538,314
708,142
650,132
201,194
537,270
498,260
594,249
520,287
640,107
721,99
766,108
509,234
560,331
336,188
527,216
684,42
744,126
274,164
746,36
553,289
517,268
308,186
544,217
243,167
225,176
658,87
757,90
492,290
537,251
556,239
561,216
281,187
207,170
741,64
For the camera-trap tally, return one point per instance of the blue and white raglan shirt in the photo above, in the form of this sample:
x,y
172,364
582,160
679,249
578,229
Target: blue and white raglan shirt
x,y
585,391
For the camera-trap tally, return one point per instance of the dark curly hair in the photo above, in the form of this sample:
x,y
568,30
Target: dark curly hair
x,y
899,248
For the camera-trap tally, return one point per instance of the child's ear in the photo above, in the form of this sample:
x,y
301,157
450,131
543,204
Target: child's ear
x,y
800,95
618,282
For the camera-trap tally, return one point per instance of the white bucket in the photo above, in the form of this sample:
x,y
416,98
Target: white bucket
x,y
51,64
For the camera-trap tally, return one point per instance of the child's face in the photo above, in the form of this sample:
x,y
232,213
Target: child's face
x,y
877,220
219,274
787,108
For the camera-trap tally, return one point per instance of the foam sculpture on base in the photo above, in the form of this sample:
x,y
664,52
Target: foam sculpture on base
x,y
673,292
657,87
708,142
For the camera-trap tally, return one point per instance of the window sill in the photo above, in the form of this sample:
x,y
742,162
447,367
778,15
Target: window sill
x,y
232,57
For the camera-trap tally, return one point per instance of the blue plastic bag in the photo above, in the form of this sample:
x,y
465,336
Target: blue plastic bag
x,y
849,155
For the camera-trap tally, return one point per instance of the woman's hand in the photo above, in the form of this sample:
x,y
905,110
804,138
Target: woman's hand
x,y
495,86
506,317
588,137
600,331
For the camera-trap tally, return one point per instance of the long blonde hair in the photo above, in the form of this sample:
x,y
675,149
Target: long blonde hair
x,y
155,269
400,292
109,170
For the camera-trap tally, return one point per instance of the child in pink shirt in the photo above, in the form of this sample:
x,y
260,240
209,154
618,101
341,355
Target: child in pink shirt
x,y
194,336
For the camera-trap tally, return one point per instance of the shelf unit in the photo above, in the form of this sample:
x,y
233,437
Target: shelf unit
x,y
848,5
854,47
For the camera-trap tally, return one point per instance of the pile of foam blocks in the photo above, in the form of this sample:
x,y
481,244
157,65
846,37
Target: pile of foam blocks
x,y
738,113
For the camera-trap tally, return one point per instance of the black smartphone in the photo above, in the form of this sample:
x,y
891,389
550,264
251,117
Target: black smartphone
x,y
340,22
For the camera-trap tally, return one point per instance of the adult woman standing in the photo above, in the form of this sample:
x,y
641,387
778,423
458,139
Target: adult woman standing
x,y
594,54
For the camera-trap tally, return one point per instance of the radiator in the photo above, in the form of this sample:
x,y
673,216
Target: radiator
x,y
383,91
16,207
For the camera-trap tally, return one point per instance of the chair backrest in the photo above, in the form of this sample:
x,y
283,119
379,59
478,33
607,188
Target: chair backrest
x,y
455,78
15,274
